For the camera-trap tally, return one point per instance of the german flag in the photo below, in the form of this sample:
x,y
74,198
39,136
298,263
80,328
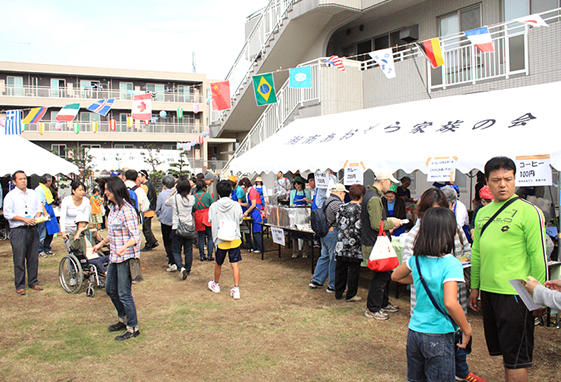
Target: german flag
x,y
431,49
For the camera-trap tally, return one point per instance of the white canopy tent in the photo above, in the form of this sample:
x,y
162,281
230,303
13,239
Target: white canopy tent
x,y
116,159
473,128
17,153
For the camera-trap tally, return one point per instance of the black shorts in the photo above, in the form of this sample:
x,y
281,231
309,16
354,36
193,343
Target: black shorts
x,y
234,255
509,329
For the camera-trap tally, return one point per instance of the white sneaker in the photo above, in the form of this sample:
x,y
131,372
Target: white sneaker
x,y
213,287
183,273
235,293
171,268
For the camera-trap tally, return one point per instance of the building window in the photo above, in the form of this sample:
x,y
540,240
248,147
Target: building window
x,y
184,93
58,86
123,146
59,149
125,88
513,9
158,91
86,116
15,85
91,146
90,89
461,20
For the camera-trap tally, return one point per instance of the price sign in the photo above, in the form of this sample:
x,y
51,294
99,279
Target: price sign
x,y
441,169
354,173
278,235
533,170
322,180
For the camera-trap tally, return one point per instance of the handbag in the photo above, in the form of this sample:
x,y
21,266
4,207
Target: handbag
x,y
184,230
383,257
135,269
457,331
201,216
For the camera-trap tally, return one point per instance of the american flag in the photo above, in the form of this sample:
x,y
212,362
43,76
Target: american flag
x,y
337,62
13,122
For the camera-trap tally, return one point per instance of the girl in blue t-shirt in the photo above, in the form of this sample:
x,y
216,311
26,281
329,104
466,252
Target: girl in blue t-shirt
x,y
430,341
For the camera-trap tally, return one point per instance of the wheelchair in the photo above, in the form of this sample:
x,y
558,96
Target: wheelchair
x,y
74,271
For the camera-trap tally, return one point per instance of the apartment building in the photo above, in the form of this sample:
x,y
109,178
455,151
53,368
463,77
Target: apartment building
x,y
289,33
25,85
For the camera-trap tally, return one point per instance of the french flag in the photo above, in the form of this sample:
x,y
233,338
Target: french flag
x,y
481,38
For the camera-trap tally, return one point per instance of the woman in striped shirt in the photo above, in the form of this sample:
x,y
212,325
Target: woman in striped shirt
x,y
124,242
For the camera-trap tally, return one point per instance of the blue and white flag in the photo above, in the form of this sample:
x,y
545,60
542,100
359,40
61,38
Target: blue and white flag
x,y
102,106
301,77
12,125
384,59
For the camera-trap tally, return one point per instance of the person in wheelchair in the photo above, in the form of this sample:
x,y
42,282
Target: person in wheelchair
x,y
82,242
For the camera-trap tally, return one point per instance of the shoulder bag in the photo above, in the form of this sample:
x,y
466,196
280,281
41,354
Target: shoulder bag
x,y
497,214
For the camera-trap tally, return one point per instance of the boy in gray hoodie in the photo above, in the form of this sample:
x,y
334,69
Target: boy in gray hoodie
x,y
225,215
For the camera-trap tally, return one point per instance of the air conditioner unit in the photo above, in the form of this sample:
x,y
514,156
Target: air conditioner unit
x,y
409,34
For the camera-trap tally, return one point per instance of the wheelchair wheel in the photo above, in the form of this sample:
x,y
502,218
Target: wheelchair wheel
x,y
90,292
70,274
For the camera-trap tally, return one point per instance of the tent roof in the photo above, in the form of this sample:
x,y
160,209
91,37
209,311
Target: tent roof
x,y
17,153
512,122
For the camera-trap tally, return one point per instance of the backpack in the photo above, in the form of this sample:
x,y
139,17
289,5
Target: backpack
x,y
134,200
318,218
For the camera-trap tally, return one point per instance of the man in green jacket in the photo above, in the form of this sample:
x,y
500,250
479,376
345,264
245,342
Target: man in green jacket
x,y
511,247
372,214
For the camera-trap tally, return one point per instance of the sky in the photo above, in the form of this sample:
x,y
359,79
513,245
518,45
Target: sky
x,y
131,34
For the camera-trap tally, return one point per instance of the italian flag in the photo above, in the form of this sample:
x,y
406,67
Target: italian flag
x,y
68,113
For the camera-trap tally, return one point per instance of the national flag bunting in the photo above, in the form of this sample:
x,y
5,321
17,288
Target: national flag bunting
x,y
68,113
142,107
431,49
12,126
481,38
35,115
102,106
337,62
264,88
300,77
220,95
532,20
384,59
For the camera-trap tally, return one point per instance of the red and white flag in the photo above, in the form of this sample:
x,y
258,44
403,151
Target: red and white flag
x,y
112,125
337,62
532,20
142,107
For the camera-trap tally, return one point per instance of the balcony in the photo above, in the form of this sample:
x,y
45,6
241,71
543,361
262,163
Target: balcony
x,y
69,92
121,127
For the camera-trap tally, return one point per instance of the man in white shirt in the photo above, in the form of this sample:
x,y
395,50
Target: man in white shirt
x,y
21,208
131,182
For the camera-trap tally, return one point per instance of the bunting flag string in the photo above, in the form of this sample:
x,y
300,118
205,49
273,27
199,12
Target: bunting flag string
x,y
264,89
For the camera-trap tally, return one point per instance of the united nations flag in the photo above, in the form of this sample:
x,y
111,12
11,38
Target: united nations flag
x,y
264,88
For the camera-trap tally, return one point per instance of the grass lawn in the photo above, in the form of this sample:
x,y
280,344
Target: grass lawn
x,y
280,330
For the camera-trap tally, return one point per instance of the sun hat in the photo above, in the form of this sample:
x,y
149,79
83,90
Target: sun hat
x,y
380,175
338,188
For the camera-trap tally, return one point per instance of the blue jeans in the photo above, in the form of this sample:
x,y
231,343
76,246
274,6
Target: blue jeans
x,y
44,239
118,288
202,239
462,368
430,357
258,241
325,267
178,243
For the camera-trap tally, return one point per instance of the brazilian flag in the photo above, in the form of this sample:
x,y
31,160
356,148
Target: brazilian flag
x,y
264,88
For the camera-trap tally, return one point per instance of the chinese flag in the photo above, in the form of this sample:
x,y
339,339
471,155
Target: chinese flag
x,y
220,95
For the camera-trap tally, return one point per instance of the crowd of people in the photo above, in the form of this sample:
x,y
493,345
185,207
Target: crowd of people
x,y
212,214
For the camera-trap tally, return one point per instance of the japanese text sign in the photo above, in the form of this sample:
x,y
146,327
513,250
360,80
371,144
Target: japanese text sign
x,y
278,235
533,170
441,169
322,180
354,173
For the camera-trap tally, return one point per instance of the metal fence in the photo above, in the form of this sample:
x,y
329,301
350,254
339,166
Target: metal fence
x,y
94,94
120,127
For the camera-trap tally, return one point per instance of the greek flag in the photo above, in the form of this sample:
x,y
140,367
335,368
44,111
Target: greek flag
x,y
13,122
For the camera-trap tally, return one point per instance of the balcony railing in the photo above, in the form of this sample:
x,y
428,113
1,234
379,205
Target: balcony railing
x,y
276,115
465,64
93,94
120,127
245,64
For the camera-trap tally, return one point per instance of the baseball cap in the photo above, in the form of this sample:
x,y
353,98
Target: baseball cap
x,y
144,173
380,175
233,178
209,176
485,193
393,188
338,188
